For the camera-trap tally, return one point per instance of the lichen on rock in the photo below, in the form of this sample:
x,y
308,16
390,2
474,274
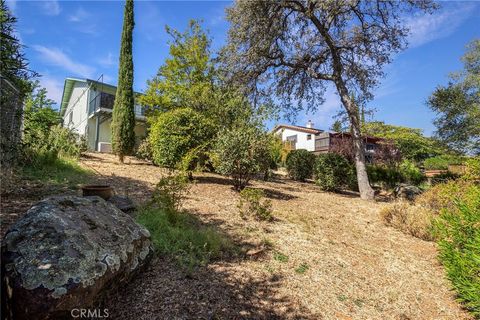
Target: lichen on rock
x,y
67,250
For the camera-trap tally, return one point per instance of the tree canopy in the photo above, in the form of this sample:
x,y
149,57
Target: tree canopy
x,y
295,48
411,143
457,105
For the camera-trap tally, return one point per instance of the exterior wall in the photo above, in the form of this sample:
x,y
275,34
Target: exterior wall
x,y
302,142
76,113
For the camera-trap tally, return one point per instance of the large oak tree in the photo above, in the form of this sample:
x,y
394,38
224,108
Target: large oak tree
x,y
295,48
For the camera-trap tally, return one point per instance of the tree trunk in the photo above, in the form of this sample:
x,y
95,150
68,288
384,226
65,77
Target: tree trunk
x,y
121,157
366,191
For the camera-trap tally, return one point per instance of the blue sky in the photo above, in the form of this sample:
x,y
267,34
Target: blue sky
x,y
81,39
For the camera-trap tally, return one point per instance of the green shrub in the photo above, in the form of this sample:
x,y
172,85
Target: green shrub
x,y
333,172
174,133
458,234
300,164
252,203
170,192
442,162
411,173
241,153
144,150
385,176
472,170
185,238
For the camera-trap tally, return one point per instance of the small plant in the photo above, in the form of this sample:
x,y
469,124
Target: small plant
x,y
458,235
302,268
472,169
411,173
300,164
170,192
252,203
280,257
333,172
144,150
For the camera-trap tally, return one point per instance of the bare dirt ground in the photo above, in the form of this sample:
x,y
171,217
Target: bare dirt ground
x,y
338,260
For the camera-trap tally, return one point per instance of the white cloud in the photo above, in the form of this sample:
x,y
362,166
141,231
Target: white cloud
x,y
58,58
107,61
427,28
54,88
51,8
79,15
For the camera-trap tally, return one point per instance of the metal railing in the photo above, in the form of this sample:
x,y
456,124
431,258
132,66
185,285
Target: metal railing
x,y
106,101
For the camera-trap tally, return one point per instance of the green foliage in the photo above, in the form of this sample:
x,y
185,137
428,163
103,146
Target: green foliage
x,y
458,234
252,203
123,115
57,171
280,257
144,150
169,193
240,153
458,105
184,238
441,162
411,173
300,164
413,145
13,64
333,172
173,134
472,170
386,176
190,79
302,268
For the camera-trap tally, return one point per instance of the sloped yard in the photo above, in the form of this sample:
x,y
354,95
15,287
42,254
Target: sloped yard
x,y
326,256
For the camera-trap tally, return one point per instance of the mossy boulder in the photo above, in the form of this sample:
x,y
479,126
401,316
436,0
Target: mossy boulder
x,y
68,252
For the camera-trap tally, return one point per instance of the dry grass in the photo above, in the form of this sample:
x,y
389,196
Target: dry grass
x,y
326,256
412,219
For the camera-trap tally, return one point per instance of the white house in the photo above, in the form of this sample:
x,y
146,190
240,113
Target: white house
x,y
86,108
299,137
321,141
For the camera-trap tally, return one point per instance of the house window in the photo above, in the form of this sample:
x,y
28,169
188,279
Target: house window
x,y
292,140
309,137
70,117
370,147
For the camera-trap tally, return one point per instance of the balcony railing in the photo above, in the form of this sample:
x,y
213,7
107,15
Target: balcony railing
x,y
105,101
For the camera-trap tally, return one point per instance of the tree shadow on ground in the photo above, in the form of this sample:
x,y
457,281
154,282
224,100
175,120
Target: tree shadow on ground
x,y
226,288
277,195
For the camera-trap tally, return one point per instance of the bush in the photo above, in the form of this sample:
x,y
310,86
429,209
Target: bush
x,y
300,164
415,220
241,153
472,169
442,162
252,203
458,234
411,173
443,177
174,133
385,176
170,192
144,150
442,196
334,172
57,142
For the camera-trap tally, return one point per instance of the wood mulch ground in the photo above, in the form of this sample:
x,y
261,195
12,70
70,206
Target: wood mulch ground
x,y
339,261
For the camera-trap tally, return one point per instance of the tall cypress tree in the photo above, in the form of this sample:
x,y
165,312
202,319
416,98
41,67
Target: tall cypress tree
x,y
123,122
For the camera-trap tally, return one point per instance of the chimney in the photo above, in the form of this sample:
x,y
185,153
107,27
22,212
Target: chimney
x,y
309,124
